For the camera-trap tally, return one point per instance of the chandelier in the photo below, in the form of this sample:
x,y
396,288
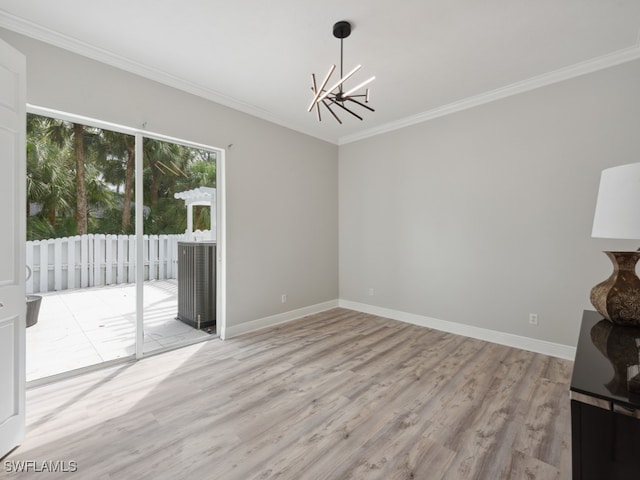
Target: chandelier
x,y
336,96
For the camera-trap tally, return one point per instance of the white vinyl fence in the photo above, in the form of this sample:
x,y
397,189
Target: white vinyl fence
x,y
93,260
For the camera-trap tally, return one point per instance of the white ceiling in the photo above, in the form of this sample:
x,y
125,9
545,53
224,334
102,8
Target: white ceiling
x,y
429,56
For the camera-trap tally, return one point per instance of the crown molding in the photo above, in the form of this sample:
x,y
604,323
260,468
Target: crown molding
x,y
37,32
600,63
32,30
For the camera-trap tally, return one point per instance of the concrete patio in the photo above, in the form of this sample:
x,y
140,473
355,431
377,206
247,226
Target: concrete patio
x,y
78,328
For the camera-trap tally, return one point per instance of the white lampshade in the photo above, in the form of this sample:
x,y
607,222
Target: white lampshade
x,y
618,206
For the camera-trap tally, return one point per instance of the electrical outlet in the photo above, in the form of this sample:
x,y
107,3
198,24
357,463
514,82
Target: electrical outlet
x,y
371,292
284,298
533,318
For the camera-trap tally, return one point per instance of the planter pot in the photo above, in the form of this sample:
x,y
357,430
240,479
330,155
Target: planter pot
x,y
33,308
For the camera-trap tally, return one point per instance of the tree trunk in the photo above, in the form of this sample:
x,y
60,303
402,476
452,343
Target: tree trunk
x,y
51,217
128,189
81,187
155,185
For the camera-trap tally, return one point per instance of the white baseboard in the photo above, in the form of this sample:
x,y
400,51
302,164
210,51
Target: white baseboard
x,y
508,339
233,330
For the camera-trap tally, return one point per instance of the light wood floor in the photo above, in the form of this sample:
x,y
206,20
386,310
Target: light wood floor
x,y
336,395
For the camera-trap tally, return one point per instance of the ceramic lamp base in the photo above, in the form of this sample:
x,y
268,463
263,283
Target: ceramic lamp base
x,y
618,298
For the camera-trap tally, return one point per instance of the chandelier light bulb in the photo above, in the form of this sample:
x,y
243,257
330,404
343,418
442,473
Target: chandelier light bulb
x,y
319,91
355,89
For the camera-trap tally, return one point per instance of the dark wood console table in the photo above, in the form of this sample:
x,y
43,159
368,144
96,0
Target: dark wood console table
x,y
605,418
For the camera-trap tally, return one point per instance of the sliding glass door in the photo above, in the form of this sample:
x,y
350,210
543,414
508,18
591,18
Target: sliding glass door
x,y
112,215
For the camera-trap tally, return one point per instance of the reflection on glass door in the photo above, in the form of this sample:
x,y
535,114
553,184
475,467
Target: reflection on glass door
x,y
80,246
178,244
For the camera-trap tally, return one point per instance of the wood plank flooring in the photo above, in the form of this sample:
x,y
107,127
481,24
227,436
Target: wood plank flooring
x,y
338,395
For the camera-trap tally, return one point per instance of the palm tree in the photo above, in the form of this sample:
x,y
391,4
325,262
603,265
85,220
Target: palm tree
x,y
82,214
118,167
63,170
165,162
49,176
171,168
60,133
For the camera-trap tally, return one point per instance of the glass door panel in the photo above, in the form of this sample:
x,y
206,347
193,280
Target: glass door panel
x,y
80,246
179,244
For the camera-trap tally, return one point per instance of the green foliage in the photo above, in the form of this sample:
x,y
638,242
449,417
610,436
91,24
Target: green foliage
x,y
51,189
38,228
168,217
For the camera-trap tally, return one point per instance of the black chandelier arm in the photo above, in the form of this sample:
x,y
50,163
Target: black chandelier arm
x,y
345,108
360,103
332,112
362,95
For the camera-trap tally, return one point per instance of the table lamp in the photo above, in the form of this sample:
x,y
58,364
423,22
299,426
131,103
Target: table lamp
x,y
618,216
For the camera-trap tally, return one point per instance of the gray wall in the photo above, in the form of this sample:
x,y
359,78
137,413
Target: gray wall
x,y
282,186
480,217
484,216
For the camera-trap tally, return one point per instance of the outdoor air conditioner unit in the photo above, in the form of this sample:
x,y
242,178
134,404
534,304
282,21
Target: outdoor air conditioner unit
x,y
197,283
